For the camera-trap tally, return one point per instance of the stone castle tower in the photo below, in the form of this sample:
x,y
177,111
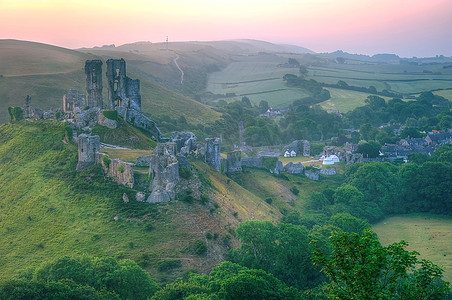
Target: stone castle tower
x,y
122,90
93,71
213,158
88,146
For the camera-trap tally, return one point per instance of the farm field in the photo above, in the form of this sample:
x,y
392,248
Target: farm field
x,y
397,78
344,100
430,235
258,78
444,93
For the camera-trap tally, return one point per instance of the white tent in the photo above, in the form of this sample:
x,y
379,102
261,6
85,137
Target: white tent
x,y
334,158
293,153
328,161
287,154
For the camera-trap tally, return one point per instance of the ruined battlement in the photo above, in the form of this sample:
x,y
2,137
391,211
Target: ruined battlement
x,y
122,90
93,71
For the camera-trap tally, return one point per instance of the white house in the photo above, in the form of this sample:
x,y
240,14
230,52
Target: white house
x,y
287,154
293,153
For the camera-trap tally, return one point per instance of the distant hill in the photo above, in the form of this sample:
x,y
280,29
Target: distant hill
x,y
46,72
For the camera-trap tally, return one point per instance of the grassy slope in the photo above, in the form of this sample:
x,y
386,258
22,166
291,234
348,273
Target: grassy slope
x,y
48,210
125,135
46,72
430,235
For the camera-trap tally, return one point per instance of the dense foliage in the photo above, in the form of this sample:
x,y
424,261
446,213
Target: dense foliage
x,y
360,268
76,278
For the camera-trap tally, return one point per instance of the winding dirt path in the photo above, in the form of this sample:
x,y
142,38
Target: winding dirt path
x,y
181,72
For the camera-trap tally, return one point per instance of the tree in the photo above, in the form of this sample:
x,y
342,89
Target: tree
x,y
282,250
263,106
349,223
360,268
370,149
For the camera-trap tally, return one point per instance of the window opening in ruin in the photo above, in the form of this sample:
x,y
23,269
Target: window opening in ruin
x,y
117,72
118,101
115,88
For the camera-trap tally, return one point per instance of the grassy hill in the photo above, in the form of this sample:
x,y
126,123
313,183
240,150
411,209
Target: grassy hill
x,y
46,72
48,210
430,235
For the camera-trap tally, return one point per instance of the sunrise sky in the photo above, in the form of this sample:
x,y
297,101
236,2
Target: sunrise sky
x,y
405,27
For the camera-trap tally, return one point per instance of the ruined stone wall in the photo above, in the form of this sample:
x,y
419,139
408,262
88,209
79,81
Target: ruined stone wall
x,y
212,157
73,101
93,71
143,161
139,120
300,147
121,172
253,162
87,118
292,168
122,90
233,162
185,141
88,146
164,171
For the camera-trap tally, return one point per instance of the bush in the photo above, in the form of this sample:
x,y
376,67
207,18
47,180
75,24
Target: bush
x,y
200,248
294,190
110,114
209,236
269,200
121,169
188,197
184,172
169,265
204,199
106,160
269,162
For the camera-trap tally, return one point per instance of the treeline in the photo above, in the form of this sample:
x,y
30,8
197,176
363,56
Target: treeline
x,y
427,111
371,89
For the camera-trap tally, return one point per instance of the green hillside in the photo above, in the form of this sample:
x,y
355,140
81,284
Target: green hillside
x,y
46,72
49,210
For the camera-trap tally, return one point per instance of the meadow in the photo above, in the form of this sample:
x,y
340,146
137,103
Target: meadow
x,y
430,235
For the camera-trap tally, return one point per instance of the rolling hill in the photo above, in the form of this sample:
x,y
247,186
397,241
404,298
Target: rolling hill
x,y
55,211
46,72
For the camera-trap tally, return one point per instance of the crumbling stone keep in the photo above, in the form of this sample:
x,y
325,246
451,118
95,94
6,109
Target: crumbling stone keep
x,y
212,157
164,171
88,146
121,172
122,90
73,101
93,71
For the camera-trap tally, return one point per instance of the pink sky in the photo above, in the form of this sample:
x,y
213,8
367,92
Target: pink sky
x,y
405,27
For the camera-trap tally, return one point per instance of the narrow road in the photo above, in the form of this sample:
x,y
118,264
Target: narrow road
x,y
181,72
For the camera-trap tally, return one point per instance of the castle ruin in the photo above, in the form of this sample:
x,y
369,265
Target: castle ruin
x,y
164,171
73,101
122,90
93,71
88,146
212,156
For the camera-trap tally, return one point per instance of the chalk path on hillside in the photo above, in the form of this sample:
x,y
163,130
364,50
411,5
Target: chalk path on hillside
x,y
177,65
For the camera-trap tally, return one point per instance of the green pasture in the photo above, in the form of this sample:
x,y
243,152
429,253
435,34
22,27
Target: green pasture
x,y
344,100
430,235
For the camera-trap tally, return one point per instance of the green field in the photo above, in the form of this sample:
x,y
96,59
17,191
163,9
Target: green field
x,y
430,235
344,100
257,77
